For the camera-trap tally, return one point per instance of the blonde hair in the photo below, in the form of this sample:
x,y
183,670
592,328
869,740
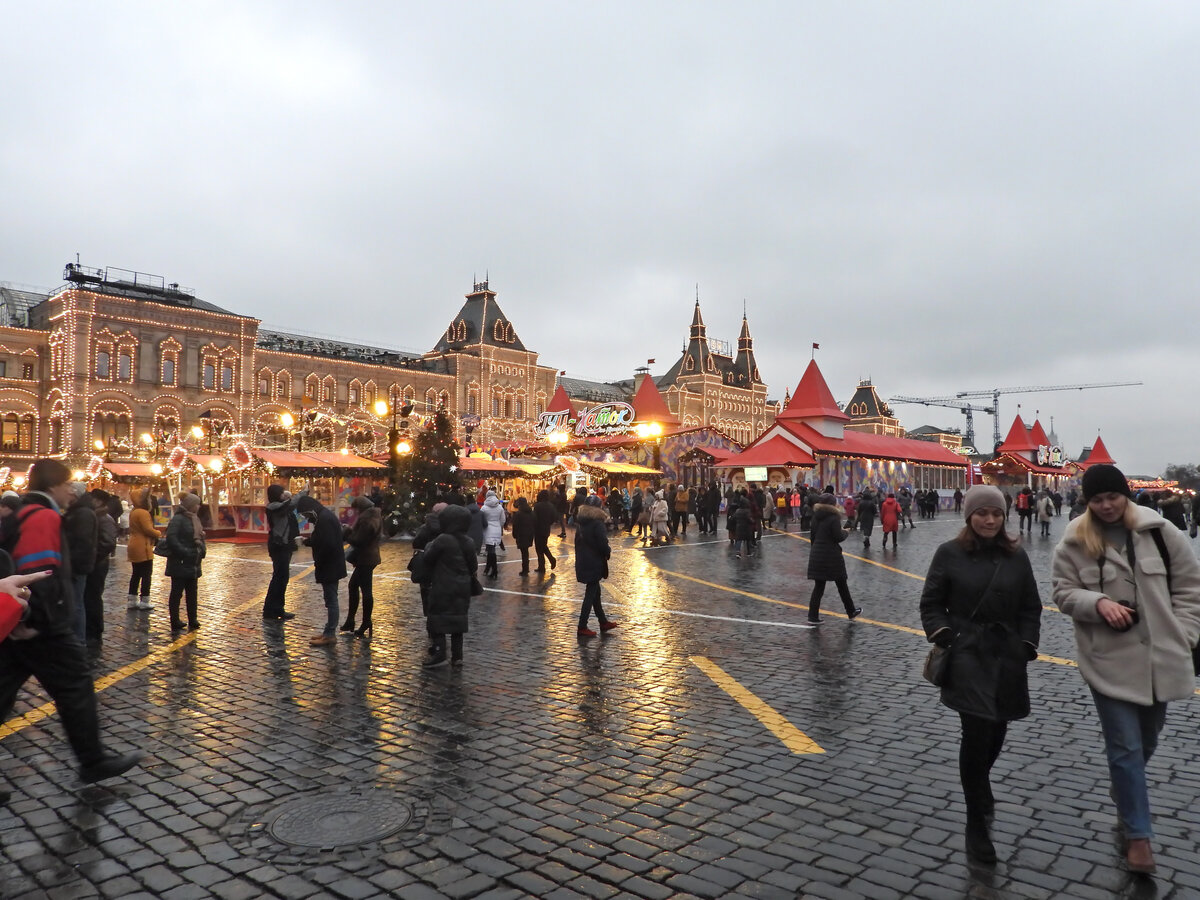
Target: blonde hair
x,y
1089,530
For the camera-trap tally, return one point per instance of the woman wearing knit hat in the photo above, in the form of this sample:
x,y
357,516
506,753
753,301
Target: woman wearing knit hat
x,y
1131,586
981,603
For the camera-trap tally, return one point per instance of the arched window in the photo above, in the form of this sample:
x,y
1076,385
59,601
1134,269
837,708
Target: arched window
x,y
104,363
283,386
329,390
312,389
430,401
264,383
125,365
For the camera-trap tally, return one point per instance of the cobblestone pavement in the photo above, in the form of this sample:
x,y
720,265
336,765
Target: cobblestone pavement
x,y
549,767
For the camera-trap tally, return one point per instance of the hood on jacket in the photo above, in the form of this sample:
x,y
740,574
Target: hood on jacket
x,y
308,505
454,520
491,499
588,511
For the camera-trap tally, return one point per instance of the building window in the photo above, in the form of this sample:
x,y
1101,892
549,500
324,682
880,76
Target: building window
x,y
210,375
103,364
16,433
27,371
282,385
124,366
264,385
226,377
472,404
354,394
495,407
168,369
520,409
56,435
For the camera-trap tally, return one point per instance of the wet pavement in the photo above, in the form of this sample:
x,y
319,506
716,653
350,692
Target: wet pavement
x,y
708,747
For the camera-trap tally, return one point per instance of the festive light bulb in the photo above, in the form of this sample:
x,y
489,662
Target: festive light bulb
x,y
287,420
381,408
147,438
156,469
217,465
98,444
197,432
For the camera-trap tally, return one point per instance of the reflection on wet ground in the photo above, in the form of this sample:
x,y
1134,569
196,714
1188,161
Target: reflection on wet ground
x,y
616,766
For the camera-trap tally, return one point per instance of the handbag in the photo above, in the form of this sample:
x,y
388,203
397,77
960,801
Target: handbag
x,y
160,549
416,567
937,661
351,555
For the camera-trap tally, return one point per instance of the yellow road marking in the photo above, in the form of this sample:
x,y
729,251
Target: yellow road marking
x,y
791,736
38,713
852,556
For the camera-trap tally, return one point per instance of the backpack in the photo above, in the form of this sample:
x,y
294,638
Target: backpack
x,y
1022,501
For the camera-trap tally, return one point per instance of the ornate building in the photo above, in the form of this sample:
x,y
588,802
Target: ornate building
x,y
869,413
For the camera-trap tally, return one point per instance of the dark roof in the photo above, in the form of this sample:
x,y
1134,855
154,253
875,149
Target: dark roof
x,y
594,391
167,296
931,430
311,345
480,321
866,403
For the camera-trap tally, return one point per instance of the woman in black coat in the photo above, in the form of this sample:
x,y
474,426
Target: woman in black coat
x,y
329,561
825,562
981,603
185,550
449,561
591,562
867,509
363,537
545,516
523,526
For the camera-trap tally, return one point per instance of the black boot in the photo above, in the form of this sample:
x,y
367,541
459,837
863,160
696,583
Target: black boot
x,y
979,839
348,625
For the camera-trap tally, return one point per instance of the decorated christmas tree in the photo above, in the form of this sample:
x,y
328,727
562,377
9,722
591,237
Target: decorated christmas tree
x,y
432,468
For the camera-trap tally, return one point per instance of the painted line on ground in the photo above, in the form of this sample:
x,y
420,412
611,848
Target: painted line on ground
x,y
789,735
48,708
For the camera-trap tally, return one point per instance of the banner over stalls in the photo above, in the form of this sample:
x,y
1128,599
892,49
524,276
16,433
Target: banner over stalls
x,y
605,419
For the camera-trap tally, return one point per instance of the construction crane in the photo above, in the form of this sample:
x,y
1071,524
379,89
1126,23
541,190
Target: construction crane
x,y
954,403
958,402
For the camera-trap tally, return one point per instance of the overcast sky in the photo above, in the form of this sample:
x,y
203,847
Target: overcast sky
x,y
946,196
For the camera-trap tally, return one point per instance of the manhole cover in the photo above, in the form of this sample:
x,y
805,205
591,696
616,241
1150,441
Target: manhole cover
x,y
337,820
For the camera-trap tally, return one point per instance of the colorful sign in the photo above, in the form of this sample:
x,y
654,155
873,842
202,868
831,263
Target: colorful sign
x,y
607,418
1050,456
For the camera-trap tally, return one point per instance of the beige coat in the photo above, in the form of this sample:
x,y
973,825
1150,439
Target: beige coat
x,y
1152,661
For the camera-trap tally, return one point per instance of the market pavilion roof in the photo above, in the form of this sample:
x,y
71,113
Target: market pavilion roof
x,y
812,398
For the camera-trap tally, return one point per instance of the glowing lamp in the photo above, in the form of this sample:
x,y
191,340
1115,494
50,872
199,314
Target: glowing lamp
x,y
77,475
381,408
147,438
217,465
156,469
197,432
345,451
404,448
287,420
18,481
98,444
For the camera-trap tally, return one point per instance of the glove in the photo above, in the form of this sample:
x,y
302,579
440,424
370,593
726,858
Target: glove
x,y
944,638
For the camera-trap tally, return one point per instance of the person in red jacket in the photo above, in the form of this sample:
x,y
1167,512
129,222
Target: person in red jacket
x,y
889,519
851,507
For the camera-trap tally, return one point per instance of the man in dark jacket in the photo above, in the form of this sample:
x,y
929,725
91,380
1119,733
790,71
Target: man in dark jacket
x,y
282,532
866,516
106,543
44,645
591,562
329,558
561,504
82,532
545,514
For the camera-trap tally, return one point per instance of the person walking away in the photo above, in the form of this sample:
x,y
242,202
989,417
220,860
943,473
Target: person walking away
x,y
1045,509
143,538
825,560
683,498
850,505
905,499
476,525
329,560
958,499
363,537
743,528
523,524
1131,585
44,644
591,564
660,515
83,532
1024,504
493,531
1171,507
450,560
889,519
185,551
616,509
283,534
106,544
560,504
545,516
635,511
981,603
1008,502
795,500
866,517
421,574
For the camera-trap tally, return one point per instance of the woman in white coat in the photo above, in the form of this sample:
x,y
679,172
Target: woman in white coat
x,y
494,518
1131,585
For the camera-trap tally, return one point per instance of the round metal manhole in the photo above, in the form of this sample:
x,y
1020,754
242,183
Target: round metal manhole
x,y
337,820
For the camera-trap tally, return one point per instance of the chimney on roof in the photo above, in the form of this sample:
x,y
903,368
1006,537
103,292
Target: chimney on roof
x,y
640,374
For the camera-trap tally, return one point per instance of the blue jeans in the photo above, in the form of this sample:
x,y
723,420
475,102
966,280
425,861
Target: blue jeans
x,y
1130,738
330,589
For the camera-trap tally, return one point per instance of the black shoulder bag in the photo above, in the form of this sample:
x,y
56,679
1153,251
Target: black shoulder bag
x,y
937,661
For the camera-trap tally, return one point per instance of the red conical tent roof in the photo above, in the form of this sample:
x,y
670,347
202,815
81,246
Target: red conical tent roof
x,y
812,398
560,401
1018,439
649,405
1099,454
1037,434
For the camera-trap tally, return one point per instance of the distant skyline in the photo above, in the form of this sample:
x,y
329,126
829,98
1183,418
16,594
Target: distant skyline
x,y
945,196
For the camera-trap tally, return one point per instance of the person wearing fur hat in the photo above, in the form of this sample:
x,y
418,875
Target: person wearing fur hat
x,y
981,603
660,515
283,533
363,538
591,562
1131,585
825,560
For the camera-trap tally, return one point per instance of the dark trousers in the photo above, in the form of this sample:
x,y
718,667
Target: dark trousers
x,y
680,523
591,601
183,587
439,644
93,599
139,581
489,567
361,579
281,561
982,740
525,560
59,664
814,602
543,550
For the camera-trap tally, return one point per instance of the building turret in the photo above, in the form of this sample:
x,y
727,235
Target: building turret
x,y
745,367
